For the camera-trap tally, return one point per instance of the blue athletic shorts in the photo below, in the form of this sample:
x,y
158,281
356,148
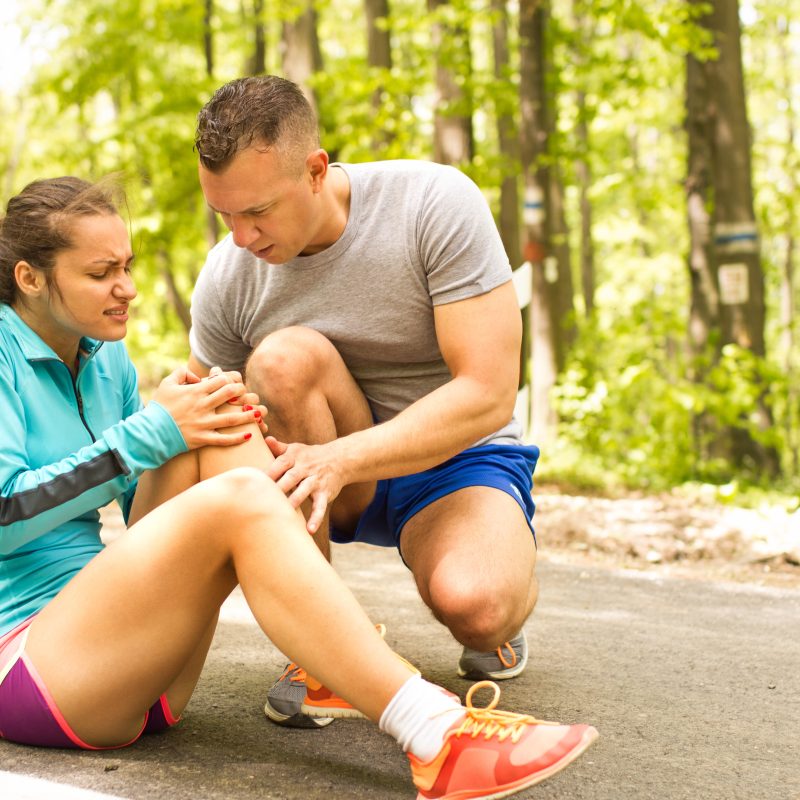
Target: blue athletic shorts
x,y
508,467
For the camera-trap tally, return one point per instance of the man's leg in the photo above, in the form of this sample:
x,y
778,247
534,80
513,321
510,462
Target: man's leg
x,y
473,557
312,398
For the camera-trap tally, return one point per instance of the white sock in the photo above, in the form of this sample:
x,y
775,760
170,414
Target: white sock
x,y
419,716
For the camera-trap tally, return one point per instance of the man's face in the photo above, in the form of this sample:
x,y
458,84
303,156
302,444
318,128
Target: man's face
x,y
270,211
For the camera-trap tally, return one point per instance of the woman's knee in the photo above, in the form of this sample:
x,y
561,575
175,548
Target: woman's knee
x,y
241,496
288,363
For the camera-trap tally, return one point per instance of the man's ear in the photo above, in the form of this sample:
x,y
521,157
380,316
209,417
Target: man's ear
x,y
317,165
30,280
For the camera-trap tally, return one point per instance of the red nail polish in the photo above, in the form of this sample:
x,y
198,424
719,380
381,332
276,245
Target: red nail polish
x,y
248,436
257,415
247,408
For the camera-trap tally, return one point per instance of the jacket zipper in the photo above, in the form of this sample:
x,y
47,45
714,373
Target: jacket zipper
x,y
79,400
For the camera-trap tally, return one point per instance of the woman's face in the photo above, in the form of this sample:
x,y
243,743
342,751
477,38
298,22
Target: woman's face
x,y
93,285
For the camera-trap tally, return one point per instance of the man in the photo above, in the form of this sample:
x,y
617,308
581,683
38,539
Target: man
x,y
371,307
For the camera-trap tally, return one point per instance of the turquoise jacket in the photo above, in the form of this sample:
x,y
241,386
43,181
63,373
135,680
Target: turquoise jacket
x,y
67,448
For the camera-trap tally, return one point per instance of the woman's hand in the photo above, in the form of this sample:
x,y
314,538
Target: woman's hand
x,y
192,403
251,401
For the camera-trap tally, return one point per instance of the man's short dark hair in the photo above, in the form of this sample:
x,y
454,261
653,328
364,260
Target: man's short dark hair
x,y
264,111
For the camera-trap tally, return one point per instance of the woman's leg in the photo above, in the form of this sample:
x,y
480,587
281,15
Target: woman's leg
x,y
155,487
126,627
159,485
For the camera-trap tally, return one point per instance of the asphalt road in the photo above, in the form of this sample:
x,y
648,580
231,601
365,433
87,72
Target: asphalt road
x,y
694,686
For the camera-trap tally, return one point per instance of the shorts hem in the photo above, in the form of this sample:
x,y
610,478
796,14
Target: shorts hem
x,y
62,723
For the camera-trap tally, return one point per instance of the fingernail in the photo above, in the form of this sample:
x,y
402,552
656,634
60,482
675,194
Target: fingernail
x,y
247,408
248,436
257,415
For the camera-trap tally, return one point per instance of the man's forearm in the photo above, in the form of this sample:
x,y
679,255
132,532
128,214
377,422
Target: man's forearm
x,y
428,432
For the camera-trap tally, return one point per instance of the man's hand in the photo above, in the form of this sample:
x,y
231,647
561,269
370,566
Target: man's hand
x,y
306,471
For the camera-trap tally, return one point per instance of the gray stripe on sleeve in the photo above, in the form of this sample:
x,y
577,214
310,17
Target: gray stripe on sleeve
x,y
61,489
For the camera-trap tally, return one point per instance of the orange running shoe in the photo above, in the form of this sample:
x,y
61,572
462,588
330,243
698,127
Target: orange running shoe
x,y
321,702
285,698
492,754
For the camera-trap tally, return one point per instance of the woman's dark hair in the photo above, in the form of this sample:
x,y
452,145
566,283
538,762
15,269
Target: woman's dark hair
x,y
39,220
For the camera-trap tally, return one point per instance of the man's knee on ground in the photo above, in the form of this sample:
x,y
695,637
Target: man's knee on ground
x,y
480,616
287,363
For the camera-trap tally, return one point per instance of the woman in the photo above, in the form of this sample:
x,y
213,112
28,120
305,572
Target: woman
x,y
98,645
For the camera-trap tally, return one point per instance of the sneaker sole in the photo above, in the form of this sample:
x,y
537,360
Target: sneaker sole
x,y
299,720
502,675
320,712
588,737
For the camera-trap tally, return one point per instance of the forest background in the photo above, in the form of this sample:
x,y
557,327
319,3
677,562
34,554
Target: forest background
x,y
641,159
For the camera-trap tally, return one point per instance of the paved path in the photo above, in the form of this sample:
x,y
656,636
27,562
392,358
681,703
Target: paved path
x,y
693,685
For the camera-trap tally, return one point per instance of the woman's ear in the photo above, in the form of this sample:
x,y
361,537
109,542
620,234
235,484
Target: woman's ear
x,y
30,280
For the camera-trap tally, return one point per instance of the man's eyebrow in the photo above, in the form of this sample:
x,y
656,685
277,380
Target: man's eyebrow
x,y
251,210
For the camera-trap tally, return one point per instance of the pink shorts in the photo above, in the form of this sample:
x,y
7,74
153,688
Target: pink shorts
x,y
28,713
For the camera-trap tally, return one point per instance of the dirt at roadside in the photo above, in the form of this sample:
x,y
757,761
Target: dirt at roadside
x,y
670,533
666,533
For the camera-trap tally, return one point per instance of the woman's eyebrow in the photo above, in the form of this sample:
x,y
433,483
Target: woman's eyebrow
x,y
112,260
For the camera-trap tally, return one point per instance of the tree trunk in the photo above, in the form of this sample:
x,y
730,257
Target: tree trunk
x,y
379,46
379,61
452,137
533,144
736,236
208,36
179,305
302,56
704,301
508,141
546,244
581,16
792,424
734,307
787,293
584,175
212,222
704,344
256,63
559,272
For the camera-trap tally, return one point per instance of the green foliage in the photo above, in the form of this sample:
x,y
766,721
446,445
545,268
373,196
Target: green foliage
x,y
121,85
627,412
625,399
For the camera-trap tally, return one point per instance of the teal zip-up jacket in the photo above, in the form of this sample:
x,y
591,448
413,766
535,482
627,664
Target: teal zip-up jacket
x,y
67,448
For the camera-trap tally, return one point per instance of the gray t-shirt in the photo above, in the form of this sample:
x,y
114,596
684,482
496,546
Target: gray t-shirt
x,y
418,235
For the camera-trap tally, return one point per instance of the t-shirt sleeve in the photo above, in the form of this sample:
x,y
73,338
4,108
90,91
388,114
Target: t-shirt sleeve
x,y
213,337
459,245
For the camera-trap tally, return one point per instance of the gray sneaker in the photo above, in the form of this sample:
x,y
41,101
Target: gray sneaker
x,y
506,662
285,698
